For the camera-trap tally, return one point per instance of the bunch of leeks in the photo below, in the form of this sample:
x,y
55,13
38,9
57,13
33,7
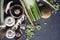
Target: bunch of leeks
x,y
32,9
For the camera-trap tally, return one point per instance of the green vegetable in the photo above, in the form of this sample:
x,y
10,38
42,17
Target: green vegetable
x,y
31,15
38,27
29,32
39,12
33,10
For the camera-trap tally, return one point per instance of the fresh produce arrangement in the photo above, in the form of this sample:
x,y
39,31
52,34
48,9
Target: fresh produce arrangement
x,y
19,16
29,32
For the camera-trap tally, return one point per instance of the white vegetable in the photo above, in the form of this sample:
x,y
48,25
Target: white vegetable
x,y
29,3
8,6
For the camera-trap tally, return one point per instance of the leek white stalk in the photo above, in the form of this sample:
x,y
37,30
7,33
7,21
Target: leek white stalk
x,y
2,24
